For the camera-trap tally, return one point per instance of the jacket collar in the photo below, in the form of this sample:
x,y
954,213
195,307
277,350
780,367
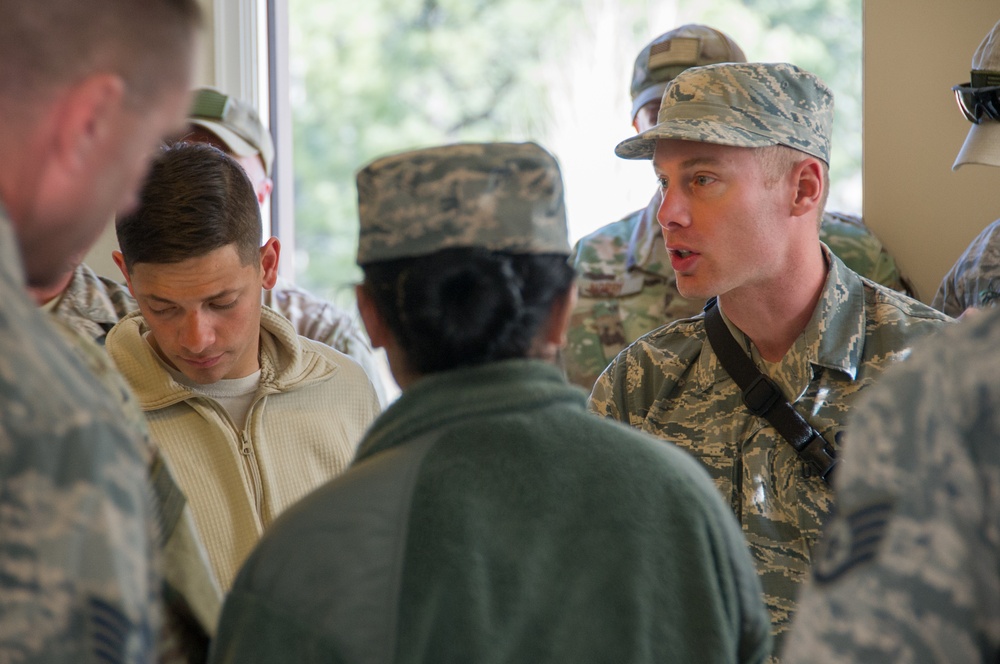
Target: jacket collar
x,y
833,338
439,399
646,250
283,363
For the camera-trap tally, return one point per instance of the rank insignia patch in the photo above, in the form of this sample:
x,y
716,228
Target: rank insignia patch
x,y
851,539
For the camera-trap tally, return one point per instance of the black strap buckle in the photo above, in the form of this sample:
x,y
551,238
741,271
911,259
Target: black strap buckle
x,y
820,455
761,394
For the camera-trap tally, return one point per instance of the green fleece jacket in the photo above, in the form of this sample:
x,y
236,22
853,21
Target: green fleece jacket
x,y
490,518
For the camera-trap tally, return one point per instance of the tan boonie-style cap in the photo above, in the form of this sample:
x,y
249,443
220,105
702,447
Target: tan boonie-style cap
x,y
982,144
235,122
498,196
691,45
750,105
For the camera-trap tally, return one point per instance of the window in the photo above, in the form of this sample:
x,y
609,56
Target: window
x,y
367,79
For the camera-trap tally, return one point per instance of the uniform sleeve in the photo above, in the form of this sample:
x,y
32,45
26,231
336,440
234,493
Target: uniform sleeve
x,y
974,279
949,298
319,320
605,399
907,570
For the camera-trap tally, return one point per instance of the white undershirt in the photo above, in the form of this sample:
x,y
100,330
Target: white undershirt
x,y
235,395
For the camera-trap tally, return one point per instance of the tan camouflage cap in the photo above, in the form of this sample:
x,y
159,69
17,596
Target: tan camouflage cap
x,y
498,196
691,45
748,105
235,122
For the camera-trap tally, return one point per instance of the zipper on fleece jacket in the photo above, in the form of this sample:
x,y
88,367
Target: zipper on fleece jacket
x,y
246,451
250,462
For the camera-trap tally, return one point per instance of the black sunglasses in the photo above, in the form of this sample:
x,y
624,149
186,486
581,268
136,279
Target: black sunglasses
x,y
977,102
980,96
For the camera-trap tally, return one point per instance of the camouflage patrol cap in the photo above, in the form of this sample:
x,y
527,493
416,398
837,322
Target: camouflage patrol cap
x,y
691,45
235,122
498,196
749,105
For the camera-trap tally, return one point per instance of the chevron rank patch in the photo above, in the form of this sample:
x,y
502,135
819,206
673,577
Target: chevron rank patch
x,y
851,539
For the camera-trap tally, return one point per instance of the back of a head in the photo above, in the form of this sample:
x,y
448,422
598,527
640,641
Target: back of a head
x,y
51,43
464,249
980,98
196,199
691,45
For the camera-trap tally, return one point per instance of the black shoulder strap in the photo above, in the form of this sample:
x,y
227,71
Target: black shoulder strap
x,y
764,398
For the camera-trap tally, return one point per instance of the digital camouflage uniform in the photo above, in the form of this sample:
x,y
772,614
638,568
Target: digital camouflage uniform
x,y
670,382
92,305
908,571
192,598
79,563
974,280
626,286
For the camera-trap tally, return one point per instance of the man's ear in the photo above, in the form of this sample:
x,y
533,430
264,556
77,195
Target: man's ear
x,y
88,117
119,260
269,255
378,331
809,184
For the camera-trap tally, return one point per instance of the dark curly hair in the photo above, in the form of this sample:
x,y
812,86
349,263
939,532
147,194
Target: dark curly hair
x,y
466,306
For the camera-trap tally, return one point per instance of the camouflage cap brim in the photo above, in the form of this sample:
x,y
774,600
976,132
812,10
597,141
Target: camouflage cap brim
x,y
704,131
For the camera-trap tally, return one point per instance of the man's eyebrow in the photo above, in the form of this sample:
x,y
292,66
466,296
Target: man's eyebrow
x,y
215,296
694,162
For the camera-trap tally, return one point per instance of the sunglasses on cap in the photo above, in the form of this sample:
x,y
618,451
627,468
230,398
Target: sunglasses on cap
x,y
980,96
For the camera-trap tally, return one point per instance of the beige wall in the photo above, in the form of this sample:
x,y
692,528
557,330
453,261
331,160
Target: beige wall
x,y
924,212
99,256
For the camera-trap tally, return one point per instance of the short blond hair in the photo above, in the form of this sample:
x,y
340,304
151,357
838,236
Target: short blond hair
x,y
776,161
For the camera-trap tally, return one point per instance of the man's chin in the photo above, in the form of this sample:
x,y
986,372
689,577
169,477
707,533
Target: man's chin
x,y
692,290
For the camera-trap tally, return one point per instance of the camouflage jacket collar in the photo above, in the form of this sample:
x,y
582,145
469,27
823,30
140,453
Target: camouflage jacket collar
x,y
646,251
833,339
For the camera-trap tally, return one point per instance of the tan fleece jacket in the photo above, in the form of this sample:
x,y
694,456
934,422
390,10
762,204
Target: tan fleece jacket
x,y
311,408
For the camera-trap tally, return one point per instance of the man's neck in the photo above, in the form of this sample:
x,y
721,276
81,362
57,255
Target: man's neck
x,y
774,315
42,295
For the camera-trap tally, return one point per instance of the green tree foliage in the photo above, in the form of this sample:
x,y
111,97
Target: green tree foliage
x,y
375,77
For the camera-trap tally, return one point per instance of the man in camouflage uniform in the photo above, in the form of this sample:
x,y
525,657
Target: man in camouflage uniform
x,y
741,152
92,304
974,280
626,284
909,569
79,559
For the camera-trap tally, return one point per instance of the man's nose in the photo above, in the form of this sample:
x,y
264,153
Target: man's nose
x,y
674,209
196,333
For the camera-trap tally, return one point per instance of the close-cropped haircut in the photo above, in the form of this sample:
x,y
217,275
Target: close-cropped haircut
x,y
776,161
466,306
45,44
196,199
